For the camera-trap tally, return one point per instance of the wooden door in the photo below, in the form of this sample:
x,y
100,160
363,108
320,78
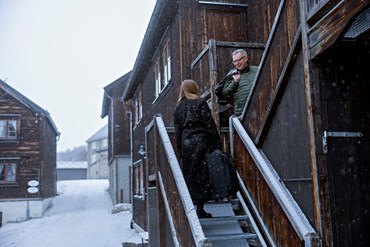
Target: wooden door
x,y
345,86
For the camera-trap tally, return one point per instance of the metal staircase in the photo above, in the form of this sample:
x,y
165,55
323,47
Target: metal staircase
x,y
231,225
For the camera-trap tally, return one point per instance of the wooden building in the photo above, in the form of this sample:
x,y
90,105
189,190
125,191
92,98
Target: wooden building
x,y
119,140
169,47
301,146
28,139
97,154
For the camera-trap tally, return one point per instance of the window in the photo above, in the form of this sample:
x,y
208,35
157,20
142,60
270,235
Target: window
x,y
8,172
9,127
138,179
166,58
94,158
94,146
138,109
105,143
158,81
163,64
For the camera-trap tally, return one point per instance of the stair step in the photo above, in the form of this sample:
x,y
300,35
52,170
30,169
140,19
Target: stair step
x,y
235,203
224,218
231,236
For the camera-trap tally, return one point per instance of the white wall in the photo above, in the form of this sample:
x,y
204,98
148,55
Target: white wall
x,y
16,210
119,179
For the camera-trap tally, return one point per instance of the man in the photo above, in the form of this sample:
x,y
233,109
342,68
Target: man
x,y
238,86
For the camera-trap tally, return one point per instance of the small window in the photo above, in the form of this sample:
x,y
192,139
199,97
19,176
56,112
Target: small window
x,y
166,57
138,180
138,108
105,143
162,68
94,158
8,128
8,172
158,80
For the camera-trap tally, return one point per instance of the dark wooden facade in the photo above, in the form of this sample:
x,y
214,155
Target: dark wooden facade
x,y
174,22
119,139
307,116
118,115
309,85
32,148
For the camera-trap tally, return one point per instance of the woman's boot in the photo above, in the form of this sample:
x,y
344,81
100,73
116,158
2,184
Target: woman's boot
x,y
201,212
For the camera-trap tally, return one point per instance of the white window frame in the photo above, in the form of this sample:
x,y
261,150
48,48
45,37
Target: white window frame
x,y
138,169
166,58
138,108
158,78
162,68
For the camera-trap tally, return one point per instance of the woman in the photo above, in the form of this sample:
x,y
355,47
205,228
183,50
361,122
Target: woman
x,y
196,134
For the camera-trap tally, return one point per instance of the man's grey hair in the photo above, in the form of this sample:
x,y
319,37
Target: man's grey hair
x,y
242,51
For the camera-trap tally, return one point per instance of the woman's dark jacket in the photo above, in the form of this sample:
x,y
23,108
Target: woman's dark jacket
x,y
196,134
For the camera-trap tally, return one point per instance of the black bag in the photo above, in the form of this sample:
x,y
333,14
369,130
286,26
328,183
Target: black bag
x,y
222,175
218,91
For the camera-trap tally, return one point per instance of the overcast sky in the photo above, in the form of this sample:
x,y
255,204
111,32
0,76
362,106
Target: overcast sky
x,y
61,54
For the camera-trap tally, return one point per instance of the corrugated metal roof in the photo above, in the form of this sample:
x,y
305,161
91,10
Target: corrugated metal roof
x,y
71,164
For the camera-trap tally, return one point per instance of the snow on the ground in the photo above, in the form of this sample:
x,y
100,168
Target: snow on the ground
x,y
80,216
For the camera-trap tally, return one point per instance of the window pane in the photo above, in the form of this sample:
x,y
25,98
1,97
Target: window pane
x,y
141,180
157,74
2,129
105,143
11,172
12,129
140,106
169,64
136,170
165,69
2,173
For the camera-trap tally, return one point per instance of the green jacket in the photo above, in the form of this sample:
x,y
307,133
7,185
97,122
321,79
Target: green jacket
x,y
240,91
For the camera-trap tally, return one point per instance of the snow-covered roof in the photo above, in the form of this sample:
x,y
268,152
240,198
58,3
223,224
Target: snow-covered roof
x,y
71,164
100,134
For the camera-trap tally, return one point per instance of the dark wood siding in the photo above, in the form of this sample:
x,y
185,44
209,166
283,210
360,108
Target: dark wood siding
x,y
48,163
295,100
261,15
288,129
120,125
296,97
274,217
278,49
34,151
345,88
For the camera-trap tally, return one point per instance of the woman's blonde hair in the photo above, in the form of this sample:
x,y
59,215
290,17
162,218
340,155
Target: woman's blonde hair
x,y
189,89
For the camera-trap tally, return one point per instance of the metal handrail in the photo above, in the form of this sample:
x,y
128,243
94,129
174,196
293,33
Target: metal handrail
x,y
282,194
193,220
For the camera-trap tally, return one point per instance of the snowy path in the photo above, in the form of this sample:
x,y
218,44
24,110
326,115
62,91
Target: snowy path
x,y
80,216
